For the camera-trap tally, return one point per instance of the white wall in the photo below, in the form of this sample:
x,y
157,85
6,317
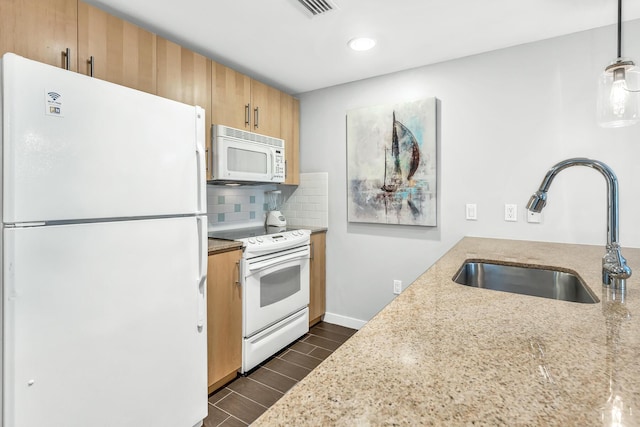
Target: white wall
x,y
506,117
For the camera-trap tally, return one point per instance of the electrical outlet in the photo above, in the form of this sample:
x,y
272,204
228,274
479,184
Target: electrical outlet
x,y
534,217
510,212
397,287
472,211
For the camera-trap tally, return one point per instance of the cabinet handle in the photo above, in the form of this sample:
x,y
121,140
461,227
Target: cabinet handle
x,y
256,117
313,247
237,282
67,58
90,62
247,114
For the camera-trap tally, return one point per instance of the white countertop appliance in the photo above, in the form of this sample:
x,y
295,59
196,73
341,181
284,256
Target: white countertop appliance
x,y
275,218
104,253
275,289
240,157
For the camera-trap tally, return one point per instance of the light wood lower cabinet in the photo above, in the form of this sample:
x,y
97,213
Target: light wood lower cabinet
x,y
318,280
224,318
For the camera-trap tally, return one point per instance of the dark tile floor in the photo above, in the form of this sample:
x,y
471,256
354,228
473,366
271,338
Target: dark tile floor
x,y
243,400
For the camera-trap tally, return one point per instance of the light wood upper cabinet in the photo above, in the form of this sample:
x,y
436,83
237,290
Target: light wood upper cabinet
x,y
122,52
243,103
41,30
230,97
318,278
290,132
184,75
224,318
265,106
118,51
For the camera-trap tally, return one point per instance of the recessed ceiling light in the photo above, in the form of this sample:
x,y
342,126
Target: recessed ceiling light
x,y
361,43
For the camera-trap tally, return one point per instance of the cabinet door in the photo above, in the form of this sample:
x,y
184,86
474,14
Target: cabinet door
x,y
230,98
224,318
122,52
290,131
317,294
41,30
265,106
185,76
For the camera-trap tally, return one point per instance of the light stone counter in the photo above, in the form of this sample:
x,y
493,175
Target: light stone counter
x,y
444,354
219,245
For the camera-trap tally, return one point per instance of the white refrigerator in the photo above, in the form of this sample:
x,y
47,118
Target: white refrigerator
x,y
103,254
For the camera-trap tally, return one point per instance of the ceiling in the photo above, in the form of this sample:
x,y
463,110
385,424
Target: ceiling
x,y
278,42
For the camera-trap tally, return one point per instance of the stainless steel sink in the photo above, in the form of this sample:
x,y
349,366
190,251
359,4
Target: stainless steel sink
x,y
526,280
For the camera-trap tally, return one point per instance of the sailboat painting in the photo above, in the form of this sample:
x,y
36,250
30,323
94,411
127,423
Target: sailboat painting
x,y
391,164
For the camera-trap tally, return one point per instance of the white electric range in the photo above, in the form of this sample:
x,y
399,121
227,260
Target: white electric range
x,y
274,275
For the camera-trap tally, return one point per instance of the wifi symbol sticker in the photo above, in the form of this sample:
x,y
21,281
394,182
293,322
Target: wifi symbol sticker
x,y
54,95
53,103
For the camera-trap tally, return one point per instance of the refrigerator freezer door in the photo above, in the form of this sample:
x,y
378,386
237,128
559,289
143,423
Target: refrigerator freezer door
x,y
101,326
76,147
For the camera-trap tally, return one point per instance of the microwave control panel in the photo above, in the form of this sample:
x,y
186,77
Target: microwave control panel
x,y
278,171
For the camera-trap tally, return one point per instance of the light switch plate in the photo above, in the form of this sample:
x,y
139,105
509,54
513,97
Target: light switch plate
x,y
472,212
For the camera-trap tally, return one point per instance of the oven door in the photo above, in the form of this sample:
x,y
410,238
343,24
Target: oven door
x,y
274,287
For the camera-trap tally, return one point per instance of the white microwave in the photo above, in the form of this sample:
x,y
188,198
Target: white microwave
x,y
239,156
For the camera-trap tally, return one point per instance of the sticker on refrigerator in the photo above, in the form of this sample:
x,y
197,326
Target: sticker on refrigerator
x,y
53,103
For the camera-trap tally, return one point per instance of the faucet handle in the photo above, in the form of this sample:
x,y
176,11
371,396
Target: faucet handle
x,y
537,201
615,270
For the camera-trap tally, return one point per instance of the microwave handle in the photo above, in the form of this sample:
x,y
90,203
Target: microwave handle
x,y
273,166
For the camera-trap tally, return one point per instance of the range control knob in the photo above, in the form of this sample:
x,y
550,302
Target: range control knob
x,y
252,241
259,239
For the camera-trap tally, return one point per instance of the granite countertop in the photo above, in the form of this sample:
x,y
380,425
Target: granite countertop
x,y
219,245
447,354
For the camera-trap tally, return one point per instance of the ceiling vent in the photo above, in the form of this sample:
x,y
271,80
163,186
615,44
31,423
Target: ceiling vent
x,y
318,7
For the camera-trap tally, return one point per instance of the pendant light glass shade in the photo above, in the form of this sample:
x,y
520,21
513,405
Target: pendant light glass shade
x,y
617,101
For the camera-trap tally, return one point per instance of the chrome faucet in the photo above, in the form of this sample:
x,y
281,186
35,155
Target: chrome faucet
x,y
615,270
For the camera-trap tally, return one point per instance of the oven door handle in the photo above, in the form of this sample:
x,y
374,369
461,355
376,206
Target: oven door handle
x,y
261,265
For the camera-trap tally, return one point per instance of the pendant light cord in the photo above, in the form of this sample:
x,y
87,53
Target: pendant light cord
x,y
619,28
620,40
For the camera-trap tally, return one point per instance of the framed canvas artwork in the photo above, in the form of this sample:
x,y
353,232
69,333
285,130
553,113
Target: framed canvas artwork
x,y
391,163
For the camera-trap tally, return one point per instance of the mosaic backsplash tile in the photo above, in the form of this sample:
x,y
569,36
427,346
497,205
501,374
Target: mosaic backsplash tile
x,y
304,205
235,207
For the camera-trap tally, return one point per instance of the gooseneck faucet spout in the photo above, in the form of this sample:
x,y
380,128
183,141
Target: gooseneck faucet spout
x,y
615,270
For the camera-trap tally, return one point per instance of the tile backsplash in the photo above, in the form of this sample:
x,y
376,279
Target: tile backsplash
x,y
308,205
246,206
229,207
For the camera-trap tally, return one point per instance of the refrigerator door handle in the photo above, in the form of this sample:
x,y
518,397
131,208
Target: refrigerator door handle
x,y
201,161
202,271
201,303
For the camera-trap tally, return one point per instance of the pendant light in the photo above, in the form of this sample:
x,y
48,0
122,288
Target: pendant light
x,y
617,99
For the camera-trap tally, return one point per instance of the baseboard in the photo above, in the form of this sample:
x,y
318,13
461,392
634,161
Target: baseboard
x,y
348,322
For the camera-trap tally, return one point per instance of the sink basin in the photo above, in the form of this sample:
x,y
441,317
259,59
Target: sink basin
x,y
526,280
